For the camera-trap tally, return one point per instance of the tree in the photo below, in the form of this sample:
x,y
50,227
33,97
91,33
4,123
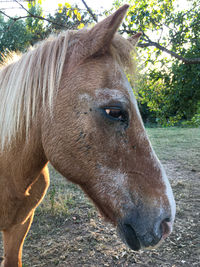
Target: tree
x,y
168,90
18,33
163,25
170,86
68,17
14,36
35,25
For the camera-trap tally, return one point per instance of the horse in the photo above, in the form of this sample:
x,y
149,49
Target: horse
x,y
68,102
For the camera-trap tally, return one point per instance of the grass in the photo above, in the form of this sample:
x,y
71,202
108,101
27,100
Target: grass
x,y
63,196
177,144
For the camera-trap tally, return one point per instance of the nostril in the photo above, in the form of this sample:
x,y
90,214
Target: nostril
x,y
166,227
130,236
167,220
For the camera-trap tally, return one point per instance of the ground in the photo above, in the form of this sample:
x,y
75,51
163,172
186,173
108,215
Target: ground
x,y
67,230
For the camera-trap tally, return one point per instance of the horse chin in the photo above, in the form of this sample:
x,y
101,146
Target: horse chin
x,y
129,237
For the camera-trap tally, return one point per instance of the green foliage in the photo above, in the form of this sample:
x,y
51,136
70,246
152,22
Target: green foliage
x,y
18,35
195,121
35,25
150,17
67,17
169,90
14,36
171,95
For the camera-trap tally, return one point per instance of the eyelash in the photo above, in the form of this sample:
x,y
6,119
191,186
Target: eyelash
x,y
116,113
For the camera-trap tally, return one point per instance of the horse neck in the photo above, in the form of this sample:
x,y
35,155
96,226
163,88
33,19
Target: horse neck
x,y
23,160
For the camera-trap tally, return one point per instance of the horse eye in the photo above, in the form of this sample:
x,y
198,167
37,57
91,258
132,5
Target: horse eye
x,y
115,113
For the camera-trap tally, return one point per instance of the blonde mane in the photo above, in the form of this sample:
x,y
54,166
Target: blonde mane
x,y
33,79
22,84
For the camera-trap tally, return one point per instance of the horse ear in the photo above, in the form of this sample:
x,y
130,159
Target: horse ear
x,y
135,38
98,38
101,35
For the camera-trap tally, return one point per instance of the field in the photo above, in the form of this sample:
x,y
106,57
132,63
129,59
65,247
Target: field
x,y
67,230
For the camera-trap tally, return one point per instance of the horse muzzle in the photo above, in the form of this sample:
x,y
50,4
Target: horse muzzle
x,y
143,233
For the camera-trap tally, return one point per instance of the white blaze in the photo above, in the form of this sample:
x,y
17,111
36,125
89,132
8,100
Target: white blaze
x,y
165,180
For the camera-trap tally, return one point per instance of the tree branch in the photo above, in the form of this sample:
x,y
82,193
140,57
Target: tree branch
x,y
15,18
173,54
164,49
30,15
90,11
38,17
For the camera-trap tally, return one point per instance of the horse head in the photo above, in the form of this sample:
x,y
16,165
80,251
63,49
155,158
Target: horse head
x,y
94,136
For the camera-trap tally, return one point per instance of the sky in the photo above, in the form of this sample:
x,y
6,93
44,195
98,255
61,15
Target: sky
x,y
49,6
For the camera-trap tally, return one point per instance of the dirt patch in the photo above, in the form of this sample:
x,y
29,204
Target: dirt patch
x,y
83,239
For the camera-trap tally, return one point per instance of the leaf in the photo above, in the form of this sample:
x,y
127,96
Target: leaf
x,y
60,8
78,15
69,13
67,5
80,26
